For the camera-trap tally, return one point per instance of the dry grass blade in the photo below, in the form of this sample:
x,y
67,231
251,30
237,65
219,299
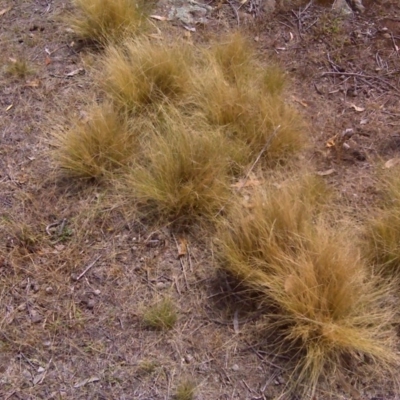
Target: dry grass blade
x,y
142,73
183,174
105,21
101,144
325,306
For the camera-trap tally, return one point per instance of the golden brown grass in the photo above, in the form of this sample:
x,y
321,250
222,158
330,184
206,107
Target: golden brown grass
x,y
182,175
104,142
323,305
105,21
244,97
382,232
142,73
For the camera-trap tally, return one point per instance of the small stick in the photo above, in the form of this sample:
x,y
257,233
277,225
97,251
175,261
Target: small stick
x,y
182,265
235,11
91,265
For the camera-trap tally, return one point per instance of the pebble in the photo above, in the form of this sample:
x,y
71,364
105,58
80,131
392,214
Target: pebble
x,y
235,367
188,358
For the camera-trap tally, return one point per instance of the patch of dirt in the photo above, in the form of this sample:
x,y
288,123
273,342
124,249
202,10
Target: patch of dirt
x,y
76,273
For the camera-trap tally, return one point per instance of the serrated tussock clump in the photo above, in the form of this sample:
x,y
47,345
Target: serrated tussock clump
x,y
381,242
107,21
325,306
141,73
182,174
102,143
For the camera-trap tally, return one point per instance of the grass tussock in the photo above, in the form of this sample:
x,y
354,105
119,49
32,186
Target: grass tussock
x,y
185,390
382,231
325,307
104,142
18,68
142,73
237,93
105,21
182,175
161,316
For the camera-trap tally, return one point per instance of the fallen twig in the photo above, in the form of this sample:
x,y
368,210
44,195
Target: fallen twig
x,y
91,265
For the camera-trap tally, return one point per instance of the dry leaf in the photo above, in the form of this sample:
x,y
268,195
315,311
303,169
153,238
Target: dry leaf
x,y
305,105
39,378
358,109
159,17
75,72
182,247
86,381
242,183
155,36
5,10
236,322
392,162
327,172
47,61
331,142
34,83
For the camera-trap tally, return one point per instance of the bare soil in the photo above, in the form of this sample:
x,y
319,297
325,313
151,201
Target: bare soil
x,y
77,273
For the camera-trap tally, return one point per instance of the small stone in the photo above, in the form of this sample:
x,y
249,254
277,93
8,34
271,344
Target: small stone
x,y
188,358
36,317
235,367
35,288
49,290
74,277
161,285
90,304
47,343
97,292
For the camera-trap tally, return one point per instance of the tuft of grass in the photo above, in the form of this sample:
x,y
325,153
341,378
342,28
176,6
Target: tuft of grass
x,y
244,98
182,176
250,118
382,231
101,144
161,316
185,390
105,21
18,68
234,55
147,367
324,307
142,73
